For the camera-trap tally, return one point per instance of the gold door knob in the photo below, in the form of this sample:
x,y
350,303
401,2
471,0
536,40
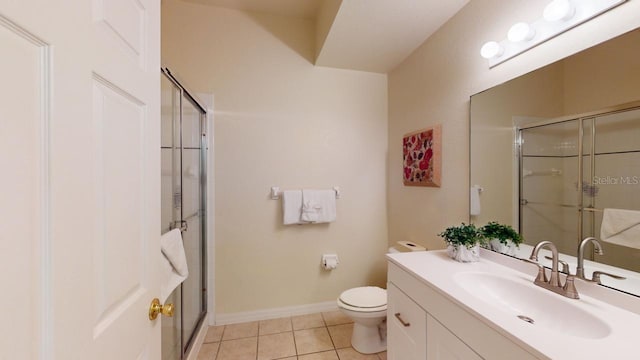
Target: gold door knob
x,y
156,308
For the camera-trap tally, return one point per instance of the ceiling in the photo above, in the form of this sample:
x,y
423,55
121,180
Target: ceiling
x,y
366,35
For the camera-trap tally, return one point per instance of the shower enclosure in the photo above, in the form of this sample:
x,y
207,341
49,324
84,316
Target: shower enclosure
x,y
183,195
570,170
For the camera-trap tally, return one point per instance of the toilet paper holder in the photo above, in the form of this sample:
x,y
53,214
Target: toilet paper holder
x,y
330,261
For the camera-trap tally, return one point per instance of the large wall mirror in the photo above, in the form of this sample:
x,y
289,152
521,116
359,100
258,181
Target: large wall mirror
x,y
553,148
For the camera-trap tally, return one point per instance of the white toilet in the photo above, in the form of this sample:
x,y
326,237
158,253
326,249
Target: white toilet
x,y
367,307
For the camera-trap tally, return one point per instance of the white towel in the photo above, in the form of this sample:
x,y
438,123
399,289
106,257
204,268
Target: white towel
x,y
474,208
310,207
621,227
319,206
174,262
292,206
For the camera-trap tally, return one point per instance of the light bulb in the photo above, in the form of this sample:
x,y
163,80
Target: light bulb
x,y
521,32
559,10
491,49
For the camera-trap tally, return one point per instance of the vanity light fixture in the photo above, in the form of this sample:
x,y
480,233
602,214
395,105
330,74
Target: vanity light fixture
x,y
558,10
558,16
521,32
491,49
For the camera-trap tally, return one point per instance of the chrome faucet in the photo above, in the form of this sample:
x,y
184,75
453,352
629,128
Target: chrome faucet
x,y
596,274
553,283
554,280
598,248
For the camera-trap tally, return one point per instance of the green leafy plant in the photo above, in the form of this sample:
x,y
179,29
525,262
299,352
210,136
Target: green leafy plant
x,y
503,233
467,235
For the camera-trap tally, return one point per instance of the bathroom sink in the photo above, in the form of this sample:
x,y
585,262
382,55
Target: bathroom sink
x,y
532,304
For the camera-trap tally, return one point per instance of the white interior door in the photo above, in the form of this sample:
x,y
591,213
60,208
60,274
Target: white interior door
x,y
80,184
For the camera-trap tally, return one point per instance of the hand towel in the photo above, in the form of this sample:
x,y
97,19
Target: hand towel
x,y
174,262
621,227
474,208
310,207
292,206
324,204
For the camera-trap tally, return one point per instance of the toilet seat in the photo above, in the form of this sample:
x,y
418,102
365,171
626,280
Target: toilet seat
x,y
364,299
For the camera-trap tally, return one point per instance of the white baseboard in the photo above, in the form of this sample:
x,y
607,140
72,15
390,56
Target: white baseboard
x,y
234,318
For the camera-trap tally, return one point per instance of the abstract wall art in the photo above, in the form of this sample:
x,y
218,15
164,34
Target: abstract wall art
x,y
422,157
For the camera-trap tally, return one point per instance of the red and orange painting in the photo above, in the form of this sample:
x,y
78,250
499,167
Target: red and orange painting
x,y
421,154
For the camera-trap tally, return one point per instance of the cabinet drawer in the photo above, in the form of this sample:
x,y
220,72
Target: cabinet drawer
x,y
406,326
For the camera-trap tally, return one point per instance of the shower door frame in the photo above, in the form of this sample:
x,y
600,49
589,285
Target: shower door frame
x,y
185,346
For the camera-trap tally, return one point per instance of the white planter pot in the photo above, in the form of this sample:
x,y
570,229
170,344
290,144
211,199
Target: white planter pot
x,y
509,249
463,254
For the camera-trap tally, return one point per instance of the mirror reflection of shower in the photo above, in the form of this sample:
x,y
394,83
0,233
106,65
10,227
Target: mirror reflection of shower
x,y
569,171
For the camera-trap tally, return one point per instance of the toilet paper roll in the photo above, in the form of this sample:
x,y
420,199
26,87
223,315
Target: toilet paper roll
x,y
330,263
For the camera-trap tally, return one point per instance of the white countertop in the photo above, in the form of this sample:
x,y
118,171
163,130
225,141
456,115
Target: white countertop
x,y
437,270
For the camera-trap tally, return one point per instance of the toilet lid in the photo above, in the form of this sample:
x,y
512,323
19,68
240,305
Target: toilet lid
x,y
365,297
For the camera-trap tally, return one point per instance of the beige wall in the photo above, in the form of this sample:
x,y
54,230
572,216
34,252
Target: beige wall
x,y
280,121
434,85
605,86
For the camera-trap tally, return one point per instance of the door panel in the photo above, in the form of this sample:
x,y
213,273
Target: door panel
x,y
119,252
79,139
123,24
23,189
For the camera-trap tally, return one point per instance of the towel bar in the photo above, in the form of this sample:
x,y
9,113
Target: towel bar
x,y
276,192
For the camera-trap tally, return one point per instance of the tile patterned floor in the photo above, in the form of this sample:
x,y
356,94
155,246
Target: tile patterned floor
x,y
321,336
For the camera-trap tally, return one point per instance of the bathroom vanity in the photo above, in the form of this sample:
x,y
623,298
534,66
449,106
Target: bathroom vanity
x,y
442,309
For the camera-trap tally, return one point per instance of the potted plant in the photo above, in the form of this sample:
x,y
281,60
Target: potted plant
x,y
501,238
463,242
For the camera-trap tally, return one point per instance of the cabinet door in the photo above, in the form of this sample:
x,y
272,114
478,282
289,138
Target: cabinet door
x,y
406,327
443,345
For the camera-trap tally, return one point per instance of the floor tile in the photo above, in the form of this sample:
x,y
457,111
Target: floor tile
x,y
239,331
351,354
275,326
276,346
382,355
240,349
325,355
214,334
341,335
312,340
336,318
307,321
208,351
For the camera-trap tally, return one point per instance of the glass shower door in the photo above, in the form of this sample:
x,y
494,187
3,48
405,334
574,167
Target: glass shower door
x,y
170,186
193,288
183,206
